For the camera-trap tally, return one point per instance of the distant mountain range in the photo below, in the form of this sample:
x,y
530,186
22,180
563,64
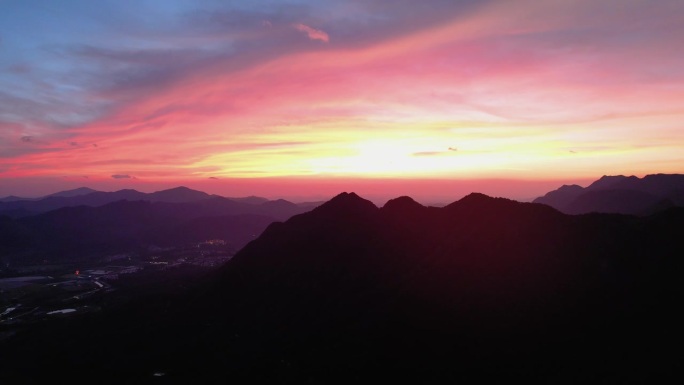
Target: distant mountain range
x,y
482,290
73,193
619,194
610,194
21,207
81,223
67,226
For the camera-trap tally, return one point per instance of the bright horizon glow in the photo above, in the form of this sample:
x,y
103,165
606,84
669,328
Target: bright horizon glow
x,y
378,190
272,99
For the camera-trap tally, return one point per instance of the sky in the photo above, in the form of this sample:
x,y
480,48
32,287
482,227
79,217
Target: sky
x,y
304,99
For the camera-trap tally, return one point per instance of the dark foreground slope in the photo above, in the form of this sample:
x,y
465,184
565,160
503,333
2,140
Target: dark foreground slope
x,y
483,289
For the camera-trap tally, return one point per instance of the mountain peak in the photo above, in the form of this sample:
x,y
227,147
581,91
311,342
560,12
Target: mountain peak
x,y
72,193
12,198
570,187
608,181
402,203
349,198
178,194
479,201
178,189
476,197
561,197
345,196
347,202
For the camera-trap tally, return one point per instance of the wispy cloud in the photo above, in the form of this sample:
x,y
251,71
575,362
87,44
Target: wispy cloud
x,y
214,91
448,151
428,153
312,33
121,176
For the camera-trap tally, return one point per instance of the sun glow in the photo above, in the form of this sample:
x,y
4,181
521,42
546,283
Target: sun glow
x,y
495,91
421,156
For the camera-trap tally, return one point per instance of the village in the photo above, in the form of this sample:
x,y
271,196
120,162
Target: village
x,y
38,293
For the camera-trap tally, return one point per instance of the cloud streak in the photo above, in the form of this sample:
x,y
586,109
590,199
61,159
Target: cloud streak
x,y
312,33
214,92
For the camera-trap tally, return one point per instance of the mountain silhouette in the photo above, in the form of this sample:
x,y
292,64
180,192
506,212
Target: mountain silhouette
x,y
72,193
177,194
484,289
21,207
12,198
169,218
478,289
254,200
619,194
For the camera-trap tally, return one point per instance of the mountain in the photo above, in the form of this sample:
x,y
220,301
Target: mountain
x,y
481,290
176,195
72,198
282,209
72,193
561,197
61,194
619,194
83,232
12,198
216,205
254,200
97,198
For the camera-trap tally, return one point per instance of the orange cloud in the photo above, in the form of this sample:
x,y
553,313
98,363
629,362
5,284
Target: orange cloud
x,y
511,91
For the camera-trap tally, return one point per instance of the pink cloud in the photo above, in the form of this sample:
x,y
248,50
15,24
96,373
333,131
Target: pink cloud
x,y
497,87
314,34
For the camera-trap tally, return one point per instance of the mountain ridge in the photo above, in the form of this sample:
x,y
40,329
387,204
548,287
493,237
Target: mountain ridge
x,y
496,269
181,194
78,232
483,289
619,194
72,193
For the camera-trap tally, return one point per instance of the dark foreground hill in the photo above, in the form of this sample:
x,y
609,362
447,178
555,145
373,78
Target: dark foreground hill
x,y
619,194
481,290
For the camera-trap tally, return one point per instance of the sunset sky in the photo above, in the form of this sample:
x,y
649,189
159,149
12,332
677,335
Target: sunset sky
x,y
309,98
